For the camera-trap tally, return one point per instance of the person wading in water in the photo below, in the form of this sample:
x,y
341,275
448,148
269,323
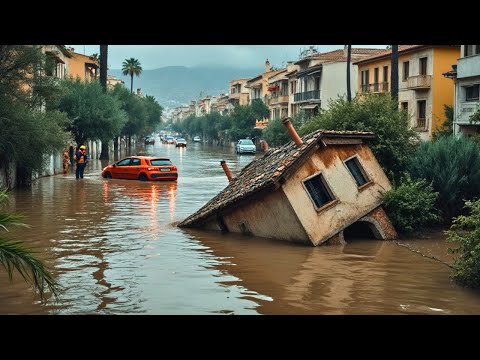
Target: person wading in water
x,y
81,159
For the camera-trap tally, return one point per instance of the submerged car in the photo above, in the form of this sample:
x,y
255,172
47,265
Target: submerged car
x,y
246,146
180,142
197,139
142,168
168,140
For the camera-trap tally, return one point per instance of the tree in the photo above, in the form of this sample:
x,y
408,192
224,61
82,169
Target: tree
x,y
349,60
103,66
14,256
27,133
465,231
93,114
452,165
96,57
447,126
131,67
395,141
394,75
154,113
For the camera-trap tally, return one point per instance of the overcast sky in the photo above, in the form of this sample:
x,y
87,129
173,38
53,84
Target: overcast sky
x,y
243,56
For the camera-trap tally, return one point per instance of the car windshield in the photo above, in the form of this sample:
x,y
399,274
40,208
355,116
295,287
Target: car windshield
x,y
160,162
246,142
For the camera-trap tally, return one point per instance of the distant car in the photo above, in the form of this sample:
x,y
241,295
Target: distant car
x,y
197,139
149,140
180,142
142,168
169,140
246,146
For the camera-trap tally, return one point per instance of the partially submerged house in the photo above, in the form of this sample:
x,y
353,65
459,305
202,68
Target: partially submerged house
x,y
307,191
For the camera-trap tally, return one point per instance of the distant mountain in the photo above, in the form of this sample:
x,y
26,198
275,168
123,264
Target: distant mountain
x,y
176,85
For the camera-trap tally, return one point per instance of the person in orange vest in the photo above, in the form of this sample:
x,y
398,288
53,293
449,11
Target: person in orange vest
x,y
81,159
66,160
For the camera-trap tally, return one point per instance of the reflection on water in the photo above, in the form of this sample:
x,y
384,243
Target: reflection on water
x,y
114,246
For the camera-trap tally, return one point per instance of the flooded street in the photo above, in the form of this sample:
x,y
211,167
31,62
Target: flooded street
x,y
114,247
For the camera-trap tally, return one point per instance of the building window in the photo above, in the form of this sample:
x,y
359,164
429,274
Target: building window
x,y
385,74
319,191
472,92
375,79
404,105
356,170
365,81
471,50
423,66
421,113
406,70
293,88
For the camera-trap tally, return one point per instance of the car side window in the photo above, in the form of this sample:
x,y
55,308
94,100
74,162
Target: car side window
x,y
135,162
124,162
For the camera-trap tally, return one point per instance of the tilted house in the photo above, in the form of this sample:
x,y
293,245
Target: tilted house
x,y
307,191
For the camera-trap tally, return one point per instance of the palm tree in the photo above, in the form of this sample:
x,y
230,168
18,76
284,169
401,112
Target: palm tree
x,y
95,57
131,67
394,74
14,256
349,60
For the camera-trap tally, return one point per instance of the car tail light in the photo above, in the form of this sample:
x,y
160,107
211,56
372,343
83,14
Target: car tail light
x,y
174,168
152,169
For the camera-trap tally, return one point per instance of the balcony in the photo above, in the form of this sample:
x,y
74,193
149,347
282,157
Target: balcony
x,y
421,124
419,82
307,95
234,95
381,87
278,99
468,66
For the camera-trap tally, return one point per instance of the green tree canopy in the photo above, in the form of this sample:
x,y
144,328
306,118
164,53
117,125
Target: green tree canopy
x,y
93,114
131,67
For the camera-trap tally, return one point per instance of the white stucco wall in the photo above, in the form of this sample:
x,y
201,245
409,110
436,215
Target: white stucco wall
x,y
334,82
352,204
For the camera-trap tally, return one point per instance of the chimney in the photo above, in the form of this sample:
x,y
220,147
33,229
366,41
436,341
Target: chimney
x,y
291,130
227,170
267,66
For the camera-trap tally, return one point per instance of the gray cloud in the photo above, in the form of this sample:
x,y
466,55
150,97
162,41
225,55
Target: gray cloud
x,y
239,56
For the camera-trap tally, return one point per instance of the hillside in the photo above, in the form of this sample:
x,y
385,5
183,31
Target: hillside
x,y
176,85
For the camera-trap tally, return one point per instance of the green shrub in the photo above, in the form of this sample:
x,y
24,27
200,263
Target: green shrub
x,y
465,231
453,166
411,204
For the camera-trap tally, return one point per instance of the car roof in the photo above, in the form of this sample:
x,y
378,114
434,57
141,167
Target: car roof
x,y
148,157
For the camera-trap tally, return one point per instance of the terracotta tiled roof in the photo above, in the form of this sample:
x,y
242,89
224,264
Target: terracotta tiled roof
x,y
263,173
386,53
339,55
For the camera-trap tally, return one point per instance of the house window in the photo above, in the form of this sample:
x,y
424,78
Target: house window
x,y
375,79
318,190
356,170
423,66
406,70
421,113
293,88
471,50
365,81
472,92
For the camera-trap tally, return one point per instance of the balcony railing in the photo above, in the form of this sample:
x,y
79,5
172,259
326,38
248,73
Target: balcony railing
x,y
421,123
307,95
278,99
375,87
419,82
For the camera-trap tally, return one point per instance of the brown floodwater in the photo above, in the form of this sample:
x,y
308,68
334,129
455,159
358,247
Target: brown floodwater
x,y
114,247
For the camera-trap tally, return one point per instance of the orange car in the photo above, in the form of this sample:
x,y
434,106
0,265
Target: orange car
x,y
142,168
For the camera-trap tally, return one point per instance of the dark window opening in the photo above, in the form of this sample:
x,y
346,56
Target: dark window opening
x,y
472,92
406,70
357,171
359,230
404,105
319,191
160,162
124,162
135,162
423,66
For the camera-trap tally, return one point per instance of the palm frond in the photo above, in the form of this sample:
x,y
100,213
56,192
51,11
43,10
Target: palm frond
x,y
15,256
11,219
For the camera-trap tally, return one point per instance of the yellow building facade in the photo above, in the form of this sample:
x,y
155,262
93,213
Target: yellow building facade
x,y
82,67
423,90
